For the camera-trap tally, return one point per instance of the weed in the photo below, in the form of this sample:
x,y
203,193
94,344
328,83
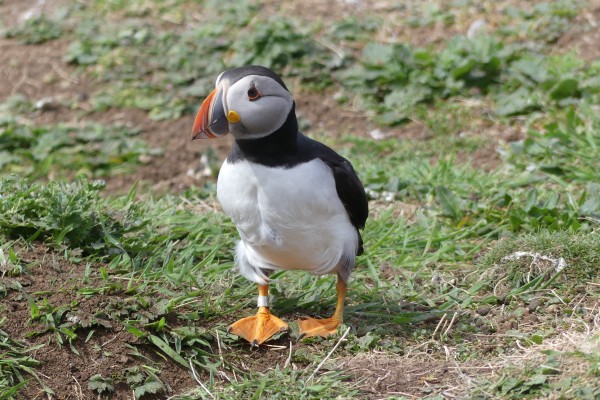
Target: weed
x,y
291,385
101,385
353,29
580,253
182,64
565,151
277,44
63,212
143,381
16,363
9,263
51,319
61,151
36,30
429,14
393,78
562,370
543,22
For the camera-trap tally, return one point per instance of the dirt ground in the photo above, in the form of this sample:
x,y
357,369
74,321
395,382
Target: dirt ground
x,y
39,71
107,351
103,347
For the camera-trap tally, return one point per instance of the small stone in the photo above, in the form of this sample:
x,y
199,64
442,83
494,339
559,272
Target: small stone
x,y
82,96
144,159
46,104
378,134
484,310
531,318
533,305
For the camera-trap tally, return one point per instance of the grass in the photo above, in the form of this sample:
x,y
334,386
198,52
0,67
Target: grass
x,y
461,263
579,252
17,365
65,151
566,367
36,30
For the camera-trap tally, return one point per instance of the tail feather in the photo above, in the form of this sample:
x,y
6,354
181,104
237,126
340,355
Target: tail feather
x,y
249,271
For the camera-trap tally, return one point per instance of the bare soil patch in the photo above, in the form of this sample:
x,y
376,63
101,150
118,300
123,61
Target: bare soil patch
x,y
39,72
584,38
104,347
381,374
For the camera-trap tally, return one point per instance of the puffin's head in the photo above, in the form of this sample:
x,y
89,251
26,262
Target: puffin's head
x,y
248,102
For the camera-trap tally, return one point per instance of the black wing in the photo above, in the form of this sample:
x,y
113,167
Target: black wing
x,y
349,188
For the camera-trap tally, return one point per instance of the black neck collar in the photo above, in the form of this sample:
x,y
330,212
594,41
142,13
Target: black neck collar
x,y
278,149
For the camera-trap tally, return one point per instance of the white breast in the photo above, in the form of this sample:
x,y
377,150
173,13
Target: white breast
x,y
287,218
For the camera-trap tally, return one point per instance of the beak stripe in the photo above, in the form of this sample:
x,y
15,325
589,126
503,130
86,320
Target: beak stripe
x,y
201,126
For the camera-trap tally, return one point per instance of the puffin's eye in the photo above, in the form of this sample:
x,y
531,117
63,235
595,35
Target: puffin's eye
x,y
253,93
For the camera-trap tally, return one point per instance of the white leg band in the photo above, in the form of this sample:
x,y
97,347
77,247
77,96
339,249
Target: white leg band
x,y
263,301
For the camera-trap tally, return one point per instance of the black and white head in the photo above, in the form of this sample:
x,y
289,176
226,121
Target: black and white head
x,y
249,102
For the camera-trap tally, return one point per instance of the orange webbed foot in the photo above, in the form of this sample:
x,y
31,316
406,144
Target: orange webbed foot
x,y
318,327
258,328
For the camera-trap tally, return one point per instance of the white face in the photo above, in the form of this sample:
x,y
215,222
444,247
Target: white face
x,y
260,115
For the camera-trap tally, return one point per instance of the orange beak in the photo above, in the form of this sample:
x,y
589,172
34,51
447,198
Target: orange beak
x,y
210,121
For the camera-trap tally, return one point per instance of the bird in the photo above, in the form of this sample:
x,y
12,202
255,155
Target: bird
x,y
296,203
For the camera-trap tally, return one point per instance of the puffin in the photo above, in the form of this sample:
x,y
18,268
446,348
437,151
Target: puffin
x,y
296,203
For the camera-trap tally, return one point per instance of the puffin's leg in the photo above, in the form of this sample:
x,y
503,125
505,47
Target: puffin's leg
x,y
263,325
328,326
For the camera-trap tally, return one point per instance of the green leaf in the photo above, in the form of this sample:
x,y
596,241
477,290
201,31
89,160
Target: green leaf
x,y
7,394
449,202
536,380
100,384
537,339
378,54
532,67
531,200
165,348
568,87
401,100
135,331
317,388
34,310
134,376
518,102
591,205
151,386
552,202
510,383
